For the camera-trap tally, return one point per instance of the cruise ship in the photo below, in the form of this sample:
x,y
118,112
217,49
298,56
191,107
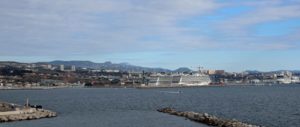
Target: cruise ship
x,y
179,80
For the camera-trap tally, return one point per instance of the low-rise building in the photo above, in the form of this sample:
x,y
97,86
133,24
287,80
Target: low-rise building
x,y
214,72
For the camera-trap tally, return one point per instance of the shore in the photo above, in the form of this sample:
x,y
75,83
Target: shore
x,y
34,88
226,85
137,87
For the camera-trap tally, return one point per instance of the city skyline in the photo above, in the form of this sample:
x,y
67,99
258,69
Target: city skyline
x,y
217,34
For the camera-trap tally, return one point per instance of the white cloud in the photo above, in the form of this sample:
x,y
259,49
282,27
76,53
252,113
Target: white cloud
x,y
94,26
239,30
264,11
261,15
39,27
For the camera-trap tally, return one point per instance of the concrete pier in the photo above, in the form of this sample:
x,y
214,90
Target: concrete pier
x,y
207,119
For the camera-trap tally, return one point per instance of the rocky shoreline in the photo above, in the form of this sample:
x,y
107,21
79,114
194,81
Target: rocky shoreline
x,y
12,112
207,119
38,114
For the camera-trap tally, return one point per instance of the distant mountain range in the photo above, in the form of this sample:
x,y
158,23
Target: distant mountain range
x,y
183,69
117,66
122,66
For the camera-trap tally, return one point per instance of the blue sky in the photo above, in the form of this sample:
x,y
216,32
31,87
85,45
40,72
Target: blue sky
x,y
233,35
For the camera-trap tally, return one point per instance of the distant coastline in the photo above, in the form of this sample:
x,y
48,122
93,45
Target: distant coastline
x,y
139,87
78,74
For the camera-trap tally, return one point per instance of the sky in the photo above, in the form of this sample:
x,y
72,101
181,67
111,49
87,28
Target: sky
x,y
234,35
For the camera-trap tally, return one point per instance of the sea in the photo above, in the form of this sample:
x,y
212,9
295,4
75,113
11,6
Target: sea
x,y
269,106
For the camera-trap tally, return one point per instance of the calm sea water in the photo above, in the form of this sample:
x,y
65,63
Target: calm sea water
x,y
271,106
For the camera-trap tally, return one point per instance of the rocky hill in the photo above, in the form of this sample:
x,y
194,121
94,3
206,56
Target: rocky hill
x,y
108,65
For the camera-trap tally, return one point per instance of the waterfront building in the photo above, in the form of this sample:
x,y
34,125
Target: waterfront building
x,y
215,72
49,66
51,82
112,71
73,68
62,67
33,65
254,81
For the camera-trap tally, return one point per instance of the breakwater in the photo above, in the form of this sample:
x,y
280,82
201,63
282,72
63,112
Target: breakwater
x,y
25,115
12,112
207,119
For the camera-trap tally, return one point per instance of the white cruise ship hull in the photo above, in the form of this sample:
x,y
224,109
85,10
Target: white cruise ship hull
x,y
175,81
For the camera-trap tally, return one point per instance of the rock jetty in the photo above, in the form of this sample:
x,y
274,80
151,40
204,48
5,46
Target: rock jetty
x,y
27,116
11,112
207,119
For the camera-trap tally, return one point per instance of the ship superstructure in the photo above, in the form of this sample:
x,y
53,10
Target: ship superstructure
x,y
174,80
